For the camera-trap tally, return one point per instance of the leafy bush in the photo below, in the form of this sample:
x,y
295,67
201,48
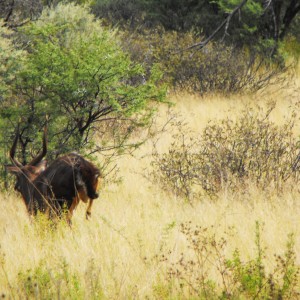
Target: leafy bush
x,y
230,153
190,276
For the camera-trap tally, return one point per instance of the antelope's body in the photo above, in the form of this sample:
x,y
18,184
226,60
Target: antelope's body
x,y
67,180
58,187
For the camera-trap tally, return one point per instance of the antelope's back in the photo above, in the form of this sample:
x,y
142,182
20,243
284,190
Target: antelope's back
x,y
68,174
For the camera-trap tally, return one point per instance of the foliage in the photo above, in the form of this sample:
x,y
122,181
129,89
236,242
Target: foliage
x,y
290,48
19,12
189,276
172,15
249,22
121,12
229,154
260,22
216,69
78,75
180,16
10,61
45,282
257,25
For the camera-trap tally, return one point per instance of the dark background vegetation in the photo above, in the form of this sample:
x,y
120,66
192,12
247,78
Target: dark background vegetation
x,y
198,46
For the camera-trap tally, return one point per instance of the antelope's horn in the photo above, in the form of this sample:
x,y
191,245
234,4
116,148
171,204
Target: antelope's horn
x,y
40,156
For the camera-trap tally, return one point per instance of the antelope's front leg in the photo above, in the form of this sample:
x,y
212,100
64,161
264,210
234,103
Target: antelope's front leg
x,y
89,209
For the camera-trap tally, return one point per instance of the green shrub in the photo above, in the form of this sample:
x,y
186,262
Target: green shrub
x,y
230,153
56,282
45,283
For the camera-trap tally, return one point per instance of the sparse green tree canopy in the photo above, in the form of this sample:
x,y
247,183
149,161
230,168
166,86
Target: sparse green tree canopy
x,y
10,61
76,73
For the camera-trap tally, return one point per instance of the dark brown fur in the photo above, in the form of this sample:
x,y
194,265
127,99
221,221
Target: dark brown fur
x,y
58,187
64,182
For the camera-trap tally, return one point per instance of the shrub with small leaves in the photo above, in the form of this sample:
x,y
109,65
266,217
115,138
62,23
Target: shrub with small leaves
x,y
229,154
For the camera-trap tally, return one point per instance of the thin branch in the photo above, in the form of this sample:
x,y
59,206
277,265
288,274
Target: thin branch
x,y
10,11
224,23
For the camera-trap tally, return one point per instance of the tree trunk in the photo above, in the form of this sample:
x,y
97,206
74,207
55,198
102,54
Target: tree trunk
x,y
290,13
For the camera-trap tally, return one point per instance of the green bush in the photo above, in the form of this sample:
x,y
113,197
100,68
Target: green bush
x,y
230,153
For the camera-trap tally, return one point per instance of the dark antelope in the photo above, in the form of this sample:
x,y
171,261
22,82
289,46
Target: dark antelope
x,y
58,187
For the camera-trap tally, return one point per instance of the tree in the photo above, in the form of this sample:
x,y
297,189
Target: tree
x,y
10,60
260,25
10,64
77,74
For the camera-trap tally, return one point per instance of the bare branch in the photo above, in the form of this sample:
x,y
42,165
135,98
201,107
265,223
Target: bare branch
x,y
224,23
10,11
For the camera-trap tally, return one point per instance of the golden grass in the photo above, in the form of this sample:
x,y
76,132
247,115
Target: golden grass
x,y
134,222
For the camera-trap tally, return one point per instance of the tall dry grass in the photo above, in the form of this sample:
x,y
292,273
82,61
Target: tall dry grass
x,y
120,253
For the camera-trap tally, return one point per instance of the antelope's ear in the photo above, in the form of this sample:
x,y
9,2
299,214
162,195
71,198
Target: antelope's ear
x,y
12,169
98,175
41,166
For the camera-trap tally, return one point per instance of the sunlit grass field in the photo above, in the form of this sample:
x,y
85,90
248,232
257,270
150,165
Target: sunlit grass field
x,y
135,238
